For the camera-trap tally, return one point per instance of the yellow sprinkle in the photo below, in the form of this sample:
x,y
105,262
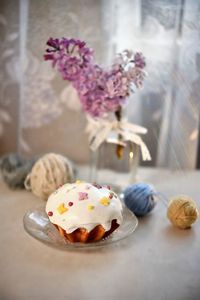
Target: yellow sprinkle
x,y
105,201
62,209
78,181
90,207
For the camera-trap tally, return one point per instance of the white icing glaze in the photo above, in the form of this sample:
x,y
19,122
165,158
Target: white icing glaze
x,y
78,215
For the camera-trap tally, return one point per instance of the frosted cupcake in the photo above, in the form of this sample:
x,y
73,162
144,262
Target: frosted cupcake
x,y
84,212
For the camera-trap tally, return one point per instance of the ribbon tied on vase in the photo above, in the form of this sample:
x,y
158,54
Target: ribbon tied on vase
x,y
98,131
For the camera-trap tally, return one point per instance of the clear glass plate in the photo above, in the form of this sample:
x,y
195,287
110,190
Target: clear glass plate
x,y
37,224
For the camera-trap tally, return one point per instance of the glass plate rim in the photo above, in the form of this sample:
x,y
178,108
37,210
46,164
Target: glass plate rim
x,y
67,246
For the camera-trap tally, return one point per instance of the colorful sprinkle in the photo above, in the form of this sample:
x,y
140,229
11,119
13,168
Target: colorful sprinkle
x,y
105,201
62,209
98,186
90,207
78,181
108,187
83,196
70,203
50,213
110,196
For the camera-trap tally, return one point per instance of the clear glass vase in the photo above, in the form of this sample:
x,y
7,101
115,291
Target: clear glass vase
x,y
115,163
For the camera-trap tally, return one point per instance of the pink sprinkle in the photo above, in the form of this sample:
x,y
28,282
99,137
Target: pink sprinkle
x,y
83,196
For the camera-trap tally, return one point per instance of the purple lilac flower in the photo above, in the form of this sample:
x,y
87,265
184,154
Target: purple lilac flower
x,y
54,43
117,84
69,67
100,91
136,76
98,105
93,103
91,78
139,60
69,55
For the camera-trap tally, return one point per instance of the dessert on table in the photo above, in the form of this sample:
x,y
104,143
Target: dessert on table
x,y
84,212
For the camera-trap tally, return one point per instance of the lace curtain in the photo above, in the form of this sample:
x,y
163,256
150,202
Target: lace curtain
x,y
39,112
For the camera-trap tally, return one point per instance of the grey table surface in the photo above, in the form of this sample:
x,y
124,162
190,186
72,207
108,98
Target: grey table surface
x,y
158,261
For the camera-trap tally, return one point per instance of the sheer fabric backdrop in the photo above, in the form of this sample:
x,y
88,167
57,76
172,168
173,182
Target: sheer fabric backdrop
x,y
39,112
